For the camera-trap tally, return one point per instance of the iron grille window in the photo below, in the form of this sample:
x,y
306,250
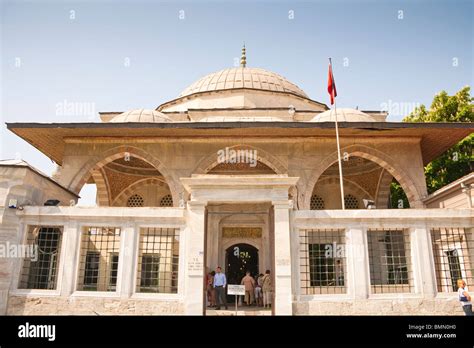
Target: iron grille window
x,y
113,272
322,261
158,259
98,267
150,275
351,202
453,254
41,270
91,273
390,261
317,203
166,201
135,201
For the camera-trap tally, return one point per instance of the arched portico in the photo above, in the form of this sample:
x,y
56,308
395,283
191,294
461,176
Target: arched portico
x,y
98,162
380,158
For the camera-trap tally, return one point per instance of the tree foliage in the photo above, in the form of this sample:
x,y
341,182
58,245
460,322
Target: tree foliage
x,y
457,161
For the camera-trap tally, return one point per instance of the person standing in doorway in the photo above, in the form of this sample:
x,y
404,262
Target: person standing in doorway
x,y
464,297
258,291
267,289
220,283
211,295
249,284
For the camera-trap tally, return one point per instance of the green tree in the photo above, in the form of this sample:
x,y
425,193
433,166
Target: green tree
x,y
457,161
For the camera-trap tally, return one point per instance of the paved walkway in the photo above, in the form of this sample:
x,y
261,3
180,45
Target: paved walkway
x,y
256,311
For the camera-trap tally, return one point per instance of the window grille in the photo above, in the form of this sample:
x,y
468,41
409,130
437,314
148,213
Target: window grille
x,y
100,247
390,261
351,202
158,259
322,261
135,201
453,254
166,201
317,203
40,271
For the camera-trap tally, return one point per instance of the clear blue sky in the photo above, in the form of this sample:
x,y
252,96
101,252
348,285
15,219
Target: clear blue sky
x,y
81,60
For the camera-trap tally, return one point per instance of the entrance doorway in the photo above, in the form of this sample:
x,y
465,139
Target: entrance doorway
x,y
239,259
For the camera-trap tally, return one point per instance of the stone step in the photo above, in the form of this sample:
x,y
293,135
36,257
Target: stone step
x,y
240,311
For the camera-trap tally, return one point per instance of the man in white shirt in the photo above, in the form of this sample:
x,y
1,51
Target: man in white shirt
x,y
464,297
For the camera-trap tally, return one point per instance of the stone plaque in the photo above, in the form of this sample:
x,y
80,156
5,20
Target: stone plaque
x,y
195,265
283,262
241,232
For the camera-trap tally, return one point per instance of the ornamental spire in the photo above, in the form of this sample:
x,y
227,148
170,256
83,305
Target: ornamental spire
x,y
243,58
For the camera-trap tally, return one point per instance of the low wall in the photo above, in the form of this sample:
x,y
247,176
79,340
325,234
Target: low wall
x,y
49,305
379,307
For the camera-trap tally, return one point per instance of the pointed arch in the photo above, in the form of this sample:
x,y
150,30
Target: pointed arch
x,y
382,159
110,155
209,162
122,197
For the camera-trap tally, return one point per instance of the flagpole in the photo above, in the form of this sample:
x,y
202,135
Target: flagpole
x,y
338,151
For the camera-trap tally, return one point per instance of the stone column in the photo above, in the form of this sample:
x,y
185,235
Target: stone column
x,y
282,286
127,255
194,258
357,260
69,255
423,261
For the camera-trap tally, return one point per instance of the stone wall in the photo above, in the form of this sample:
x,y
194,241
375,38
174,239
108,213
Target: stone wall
x,y
28,188
422,306
25,305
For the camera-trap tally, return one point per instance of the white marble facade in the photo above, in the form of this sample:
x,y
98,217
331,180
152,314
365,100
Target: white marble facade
x,y
161,170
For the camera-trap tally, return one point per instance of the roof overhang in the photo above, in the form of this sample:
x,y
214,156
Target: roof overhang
x,y
51,138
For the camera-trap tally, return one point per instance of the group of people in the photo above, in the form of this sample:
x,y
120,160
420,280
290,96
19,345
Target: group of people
x,y
258,292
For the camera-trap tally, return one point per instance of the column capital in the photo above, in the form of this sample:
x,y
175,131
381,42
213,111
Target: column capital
x,y
197,205
283,204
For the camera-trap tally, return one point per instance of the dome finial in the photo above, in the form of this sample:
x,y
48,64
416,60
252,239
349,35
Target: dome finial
x,y
243,58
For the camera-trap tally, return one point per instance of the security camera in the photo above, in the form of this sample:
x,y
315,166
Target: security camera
x,y
51,202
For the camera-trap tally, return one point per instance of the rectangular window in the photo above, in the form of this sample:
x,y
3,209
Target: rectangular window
x,y
150,276
113,272
158,259
91,274
99,259
453,253
322,261
41,270
390,261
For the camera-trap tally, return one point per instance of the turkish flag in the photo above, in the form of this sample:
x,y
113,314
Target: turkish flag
x,y
331,84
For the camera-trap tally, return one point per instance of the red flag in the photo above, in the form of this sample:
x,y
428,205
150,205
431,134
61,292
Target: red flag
x,y
331,84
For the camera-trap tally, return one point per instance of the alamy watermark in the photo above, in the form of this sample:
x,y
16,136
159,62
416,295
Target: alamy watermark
x,y
9,250
69,108
232,156
398,108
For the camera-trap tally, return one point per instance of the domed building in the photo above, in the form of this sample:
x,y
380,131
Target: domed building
x,y
240,171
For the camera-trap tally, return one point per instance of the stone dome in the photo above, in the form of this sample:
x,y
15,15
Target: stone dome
x,y
344,115
141,115
243,77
